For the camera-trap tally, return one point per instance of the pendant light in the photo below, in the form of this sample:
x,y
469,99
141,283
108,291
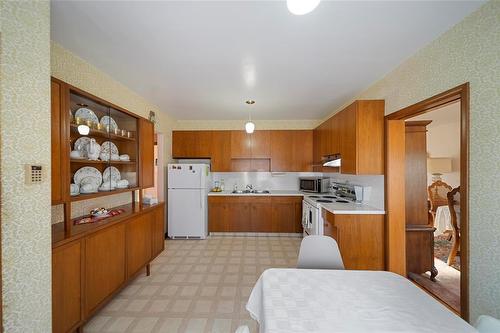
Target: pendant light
x,y
301,7
249,125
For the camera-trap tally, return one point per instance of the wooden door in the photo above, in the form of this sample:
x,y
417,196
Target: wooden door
x,y
104,265
348,146
260,214
139,232
221,151
261,144
285,217
238,215
241,144
282,150
158,243
66,286
56,140
395,197
146,153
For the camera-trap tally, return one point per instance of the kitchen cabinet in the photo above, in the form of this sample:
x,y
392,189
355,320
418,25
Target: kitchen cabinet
x,y
139,242
255,214
146,153
286,215
291,151
104,265
261,144
191,144
357,133
66,287
59,153
221,151
241,145
89,267
360,239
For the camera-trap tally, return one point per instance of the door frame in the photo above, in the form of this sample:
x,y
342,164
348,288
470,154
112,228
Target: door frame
x,y
394,179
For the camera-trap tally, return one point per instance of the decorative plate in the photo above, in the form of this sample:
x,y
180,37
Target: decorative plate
x,y
109,148
86,114
94,181
83,144
87,172
107,120
111,173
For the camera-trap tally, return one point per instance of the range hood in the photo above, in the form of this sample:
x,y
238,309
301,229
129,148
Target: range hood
x,y
331,160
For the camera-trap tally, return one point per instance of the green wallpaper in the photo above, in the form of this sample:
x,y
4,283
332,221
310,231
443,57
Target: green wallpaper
x,y
469,52
25,138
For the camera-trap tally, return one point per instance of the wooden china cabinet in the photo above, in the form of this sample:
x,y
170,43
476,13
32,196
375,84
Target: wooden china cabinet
x,y
93,261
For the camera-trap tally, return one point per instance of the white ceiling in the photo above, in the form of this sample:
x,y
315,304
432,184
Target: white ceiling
x,y
201,60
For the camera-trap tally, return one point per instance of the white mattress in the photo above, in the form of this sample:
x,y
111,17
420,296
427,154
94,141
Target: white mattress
x,y
300,300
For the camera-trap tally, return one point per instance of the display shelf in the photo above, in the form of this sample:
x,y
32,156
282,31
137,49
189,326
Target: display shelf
x,y
102,134
80,197
83,161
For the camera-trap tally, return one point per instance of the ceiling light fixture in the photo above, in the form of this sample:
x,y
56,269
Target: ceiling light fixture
x,y
301,7
249,125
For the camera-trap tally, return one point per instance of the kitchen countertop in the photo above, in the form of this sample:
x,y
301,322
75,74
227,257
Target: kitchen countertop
x,y
334,208
282,193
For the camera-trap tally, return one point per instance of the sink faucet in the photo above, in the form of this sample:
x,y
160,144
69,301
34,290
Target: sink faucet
x,y
250,187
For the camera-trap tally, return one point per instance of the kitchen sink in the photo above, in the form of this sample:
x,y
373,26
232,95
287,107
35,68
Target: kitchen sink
x,y
250,192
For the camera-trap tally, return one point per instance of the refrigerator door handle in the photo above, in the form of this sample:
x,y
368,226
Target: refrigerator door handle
x,y
201,198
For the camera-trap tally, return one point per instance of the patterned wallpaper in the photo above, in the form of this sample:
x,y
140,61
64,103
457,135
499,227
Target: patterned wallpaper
x,y
25,139
469,52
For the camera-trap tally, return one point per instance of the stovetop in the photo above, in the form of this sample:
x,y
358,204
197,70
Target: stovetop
x,y
328,198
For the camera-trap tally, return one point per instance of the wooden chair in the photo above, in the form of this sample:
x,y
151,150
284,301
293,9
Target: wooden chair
x,y
453,201
437,192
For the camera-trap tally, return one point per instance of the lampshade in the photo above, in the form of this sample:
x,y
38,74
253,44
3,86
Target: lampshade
x,y
301,7
249,127
438,165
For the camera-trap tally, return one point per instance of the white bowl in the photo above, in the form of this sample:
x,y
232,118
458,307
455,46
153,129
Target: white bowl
x,y
115,157
124,157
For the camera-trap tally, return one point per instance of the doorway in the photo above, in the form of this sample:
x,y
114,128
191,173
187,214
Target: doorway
x,y
416,242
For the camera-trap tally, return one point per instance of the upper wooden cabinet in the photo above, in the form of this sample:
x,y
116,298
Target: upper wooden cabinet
x,y
261,144
357,133
221,151
291,150
56,143
146,153
254,145
191,144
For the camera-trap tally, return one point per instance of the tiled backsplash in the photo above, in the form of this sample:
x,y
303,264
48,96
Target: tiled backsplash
x,y
262,180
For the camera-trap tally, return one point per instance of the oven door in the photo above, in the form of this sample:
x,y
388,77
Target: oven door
x,y
308,219
309,185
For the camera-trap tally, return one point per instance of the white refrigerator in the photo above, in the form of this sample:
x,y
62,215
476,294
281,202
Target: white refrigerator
x,y
188,187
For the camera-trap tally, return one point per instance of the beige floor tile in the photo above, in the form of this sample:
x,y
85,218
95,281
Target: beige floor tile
x,y
189,291
136,305
159,305
225,307
208,291
221,326
119,324
170,325
196,325
203,306
145,325
180,306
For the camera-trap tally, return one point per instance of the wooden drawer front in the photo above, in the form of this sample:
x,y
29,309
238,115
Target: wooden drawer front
x,y
159,231
139,242
104,264
66,286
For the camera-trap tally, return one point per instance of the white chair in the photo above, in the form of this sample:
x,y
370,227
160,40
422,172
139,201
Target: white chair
x,y
319,252
487,324
242,329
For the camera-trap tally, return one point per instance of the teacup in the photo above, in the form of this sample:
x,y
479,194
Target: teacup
x,y
124,157
74,189
87,188
122,183
115,157
75,154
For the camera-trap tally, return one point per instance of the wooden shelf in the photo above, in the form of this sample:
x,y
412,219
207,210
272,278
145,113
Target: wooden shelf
x,y
100,162
102,134
101,194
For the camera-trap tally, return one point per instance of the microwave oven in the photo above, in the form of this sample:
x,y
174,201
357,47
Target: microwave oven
x,y
314,184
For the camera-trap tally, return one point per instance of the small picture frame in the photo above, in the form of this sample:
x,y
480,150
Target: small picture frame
x,y
152,117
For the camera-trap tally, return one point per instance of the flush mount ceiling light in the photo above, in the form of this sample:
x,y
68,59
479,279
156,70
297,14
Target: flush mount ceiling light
x,y
83,129
301,7
249,125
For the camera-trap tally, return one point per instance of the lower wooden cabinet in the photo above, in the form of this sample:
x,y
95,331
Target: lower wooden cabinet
x,y
255,214
88,270
66,287
104,265
360,238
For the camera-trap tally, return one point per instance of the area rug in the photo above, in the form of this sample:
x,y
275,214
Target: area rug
x,y
442,248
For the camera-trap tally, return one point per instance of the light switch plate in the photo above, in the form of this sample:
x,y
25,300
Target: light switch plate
x,y
34,174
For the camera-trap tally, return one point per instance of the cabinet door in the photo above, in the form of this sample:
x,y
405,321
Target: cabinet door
x,y
347,124
238,215
261,144
159,230
335,135
104,264
316,150
221,151
241,144
302,151
146,153
282,146
56,126
139,232
328,224
218,214
66,286
284,214
183,143
260,212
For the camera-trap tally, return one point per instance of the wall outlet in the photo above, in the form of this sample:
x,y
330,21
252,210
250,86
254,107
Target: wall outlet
x,y
34,174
